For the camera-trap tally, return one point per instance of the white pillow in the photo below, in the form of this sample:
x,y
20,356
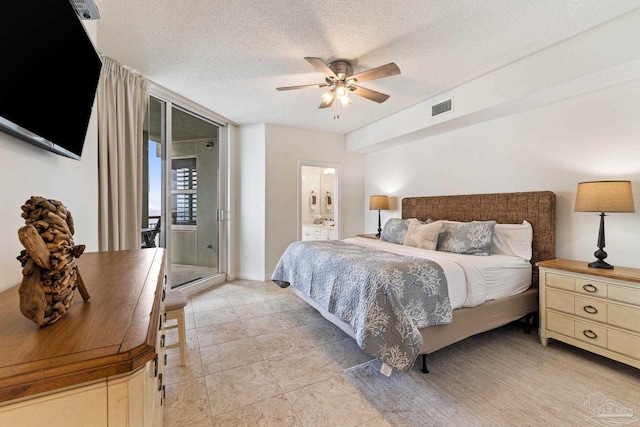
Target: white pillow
x,y
424,236
513,239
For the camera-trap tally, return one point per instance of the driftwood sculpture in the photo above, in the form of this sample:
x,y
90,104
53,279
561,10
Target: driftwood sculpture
x,y
50,275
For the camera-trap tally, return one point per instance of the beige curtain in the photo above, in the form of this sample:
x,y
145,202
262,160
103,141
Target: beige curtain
x,y
122,104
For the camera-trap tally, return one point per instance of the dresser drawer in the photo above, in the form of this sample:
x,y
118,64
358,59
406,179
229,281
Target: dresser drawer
x,y
560,324
591,308
622,294
588,308
622,343
624,317
591,333
591,287
597,310
560,282
560,301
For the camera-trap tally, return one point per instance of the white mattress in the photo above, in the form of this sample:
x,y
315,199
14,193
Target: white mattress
x,y
471,279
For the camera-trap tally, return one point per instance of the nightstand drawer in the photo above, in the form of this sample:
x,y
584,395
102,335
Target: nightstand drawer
x,y
560,301
626,344
591,287
624,317
591,333
560,282
591,308
560,324
622,294
582,331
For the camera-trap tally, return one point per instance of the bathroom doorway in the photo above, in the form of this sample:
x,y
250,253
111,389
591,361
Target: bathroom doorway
x,y
318,212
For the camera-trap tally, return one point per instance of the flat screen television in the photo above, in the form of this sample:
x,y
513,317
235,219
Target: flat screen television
x,y
49,71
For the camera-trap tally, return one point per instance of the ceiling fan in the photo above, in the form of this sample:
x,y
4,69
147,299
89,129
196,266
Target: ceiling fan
x,y
340,81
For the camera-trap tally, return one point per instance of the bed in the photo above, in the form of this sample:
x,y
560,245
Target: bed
x,y
349,281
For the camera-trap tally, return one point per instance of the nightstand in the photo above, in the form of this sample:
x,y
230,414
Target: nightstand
x,y
368,236
595,309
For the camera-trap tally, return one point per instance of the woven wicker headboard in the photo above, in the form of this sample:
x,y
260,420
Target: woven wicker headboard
x,y
537,207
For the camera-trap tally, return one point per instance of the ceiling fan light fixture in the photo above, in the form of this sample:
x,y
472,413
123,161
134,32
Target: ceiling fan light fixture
x,y
340,81
345,100
327,97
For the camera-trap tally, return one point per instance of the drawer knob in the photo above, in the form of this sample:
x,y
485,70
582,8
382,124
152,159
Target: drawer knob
x,y
589,288
590,309
590,334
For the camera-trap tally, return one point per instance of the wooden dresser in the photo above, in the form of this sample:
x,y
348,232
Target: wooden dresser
x,y
102,363
595,309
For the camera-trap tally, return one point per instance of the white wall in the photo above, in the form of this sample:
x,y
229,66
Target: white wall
x,y
596,59
287,145
266,176
566,114
250,176
28,171
590,137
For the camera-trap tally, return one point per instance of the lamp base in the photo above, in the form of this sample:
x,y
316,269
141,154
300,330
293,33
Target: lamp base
x,y
600,254
600,264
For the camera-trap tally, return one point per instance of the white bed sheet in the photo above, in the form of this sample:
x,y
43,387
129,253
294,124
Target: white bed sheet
x,y
486,277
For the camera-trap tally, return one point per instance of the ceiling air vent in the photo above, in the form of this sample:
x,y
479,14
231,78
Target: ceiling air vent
x,y
86,9
443,107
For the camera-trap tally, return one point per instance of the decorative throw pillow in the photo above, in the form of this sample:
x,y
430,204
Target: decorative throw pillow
x,y
394,230
513,239
421,235
471,238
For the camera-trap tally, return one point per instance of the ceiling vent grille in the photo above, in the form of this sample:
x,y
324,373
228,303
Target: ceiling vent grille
x,y
86,9
440,108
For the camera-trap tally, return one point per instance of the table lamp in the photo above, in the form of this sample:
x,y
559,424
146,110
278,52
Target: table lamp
x,y
603,196
379,203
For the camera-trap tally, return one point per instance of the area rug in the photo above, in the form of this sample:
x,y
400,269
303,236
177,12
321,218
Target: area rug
x,y
504,378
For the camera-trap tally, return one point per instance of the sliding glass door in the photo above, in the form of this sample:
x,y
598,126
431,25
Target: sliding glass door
x,y
183,182
194,198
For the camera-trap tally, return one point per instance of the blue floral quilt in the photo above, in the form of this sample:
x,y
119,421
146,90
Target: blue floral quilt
x,y
385,297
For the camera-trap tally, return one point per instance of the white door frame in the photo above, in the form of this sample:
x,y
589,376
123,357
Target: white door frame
x,y
336,194
171,99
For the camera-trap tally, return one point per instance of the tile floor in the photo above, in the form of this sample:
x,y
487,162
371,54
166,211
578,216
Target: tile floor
x,y
258,355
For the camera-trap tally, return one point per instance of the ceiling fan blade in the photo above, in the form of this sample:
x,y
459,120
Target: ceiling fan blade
x,y
302,86
321,66
371,95
324,104
391,69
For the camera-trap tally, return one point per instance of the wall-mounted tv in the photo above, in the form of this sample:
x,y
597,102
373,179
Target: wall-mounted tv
x,y
49,72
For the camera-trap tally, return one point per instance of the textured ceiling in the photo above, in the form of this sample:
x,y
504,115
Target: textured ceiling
x,y
229,56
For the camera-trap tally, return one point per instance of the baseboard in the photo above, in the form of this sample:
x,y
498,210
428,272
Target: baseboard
x,y
203,284
253,276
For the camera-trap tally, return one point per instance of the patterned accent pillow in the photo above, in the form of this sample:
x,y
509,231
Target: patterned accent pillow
x,y
394,230
471,238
